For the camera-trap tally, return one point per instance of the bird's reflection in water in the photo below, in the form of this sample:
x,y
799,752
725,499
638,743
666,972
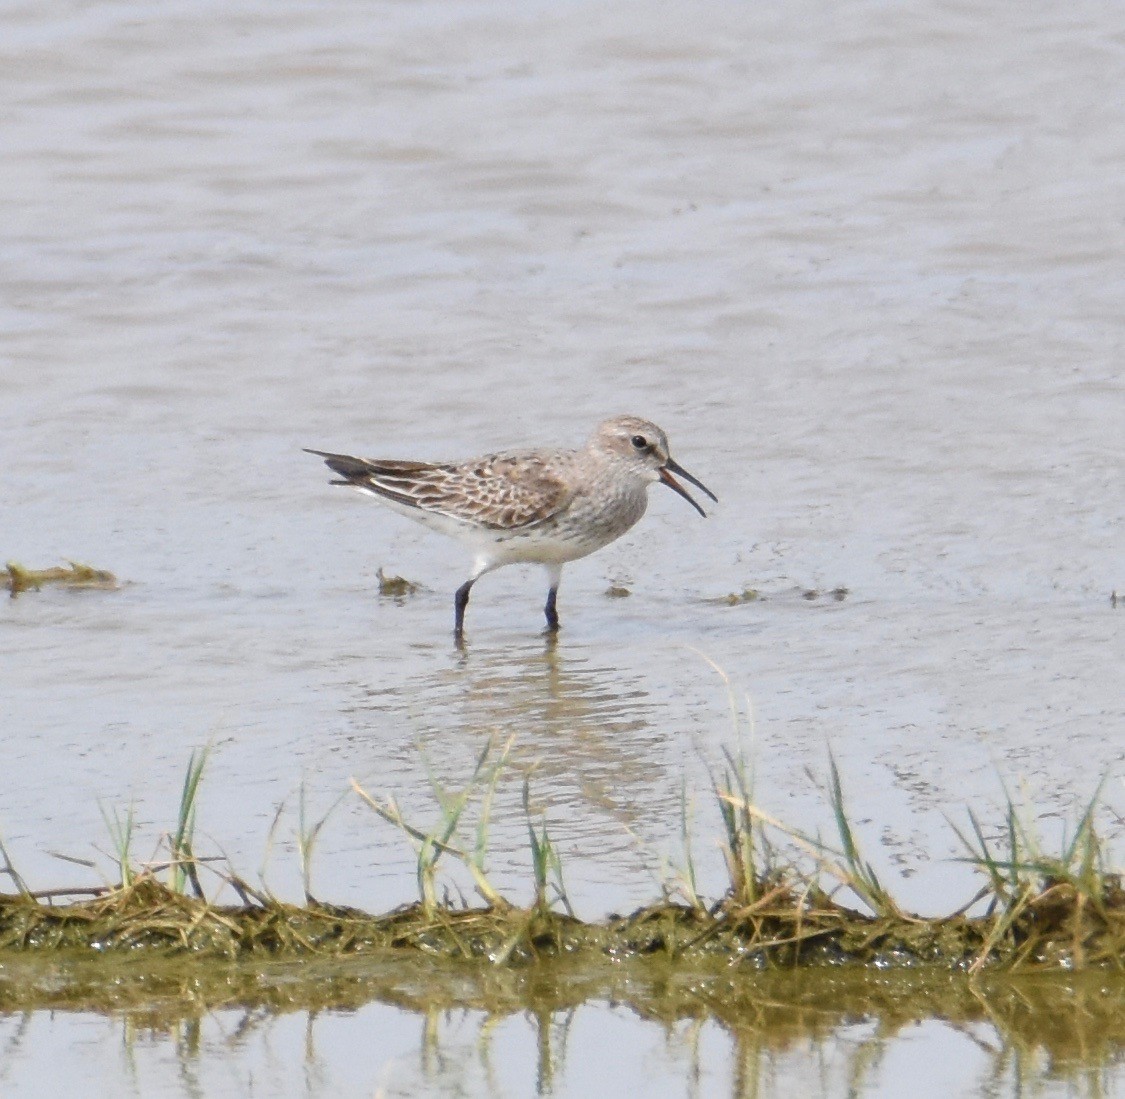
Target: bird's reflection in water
x,y
584,726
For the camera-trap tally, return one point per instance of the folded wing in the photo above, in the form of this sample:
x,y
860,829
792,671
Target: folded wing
x,y
498,491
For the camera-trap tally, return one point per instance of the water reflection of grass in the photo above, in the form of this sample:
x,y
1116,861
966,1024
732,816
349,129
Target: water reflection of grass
x,y
783,904
1026,1026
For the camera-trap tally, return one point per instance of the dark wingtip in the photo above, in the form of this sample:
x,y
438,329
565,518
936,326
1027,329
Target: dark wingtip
x,y
343,464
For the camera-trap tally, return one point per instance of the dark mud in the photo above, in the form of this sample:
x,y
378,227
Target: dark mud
x,y
1059,929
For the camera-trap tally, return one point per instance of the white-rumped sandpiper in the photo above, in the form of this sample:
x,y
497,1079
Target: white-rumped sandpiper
x,y
540,506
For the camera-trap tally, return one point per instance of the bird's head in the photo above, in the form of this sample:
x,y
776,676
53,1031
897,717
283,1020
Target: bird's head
x,y
643,447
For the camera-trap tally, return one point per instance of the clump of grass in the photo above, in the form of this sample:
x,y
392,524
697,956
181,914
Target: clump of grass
x,y
1033,895
733,794
1043,910
120,829
854,869
545,862
19,579
683,881
432,843
742,821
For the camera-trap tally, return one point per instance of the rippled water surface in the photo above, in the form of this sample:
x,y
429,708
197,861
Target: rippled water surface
x,y
862,262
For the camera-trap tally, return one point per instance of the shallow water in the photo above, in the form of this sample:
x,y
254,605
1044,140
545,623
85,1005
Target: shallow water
x,y
863,265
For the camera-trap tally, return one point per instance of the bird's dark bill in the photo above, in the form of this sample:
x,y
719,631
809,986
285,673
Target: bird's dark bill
x,y
671,467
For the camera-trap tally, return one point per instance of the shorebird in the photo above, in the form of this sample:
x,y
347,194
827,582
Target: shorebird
x,y
537,506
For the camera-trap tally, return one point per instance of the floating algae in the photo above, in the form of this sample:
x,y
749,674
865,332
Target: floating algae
x,y
736,598
754,595
19,579
395,587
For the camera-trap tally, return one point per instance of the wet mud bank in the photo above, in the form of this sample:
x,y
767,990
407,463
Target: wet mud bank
x,y
1061,928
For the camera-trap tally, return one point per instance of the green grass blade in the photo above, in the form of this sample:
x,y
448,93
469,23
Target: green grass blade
x,y
183,868
121,836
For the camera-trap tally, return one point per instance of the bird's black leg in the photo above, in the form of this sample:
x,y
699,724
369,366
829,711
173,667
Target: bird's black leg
x,y
460,602
549,610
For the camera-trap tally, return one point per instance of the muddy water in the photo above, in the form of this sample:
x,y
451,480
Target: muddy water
x,y
862,264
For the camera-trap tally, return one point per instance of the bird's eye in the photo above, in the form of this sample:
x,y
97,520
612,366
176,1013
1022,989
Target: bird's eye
x,y
640,442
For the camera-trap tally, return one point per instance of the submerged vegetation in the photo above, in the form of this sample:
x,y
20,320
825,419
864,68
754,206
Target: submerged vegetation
x,y
18,579
790,899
